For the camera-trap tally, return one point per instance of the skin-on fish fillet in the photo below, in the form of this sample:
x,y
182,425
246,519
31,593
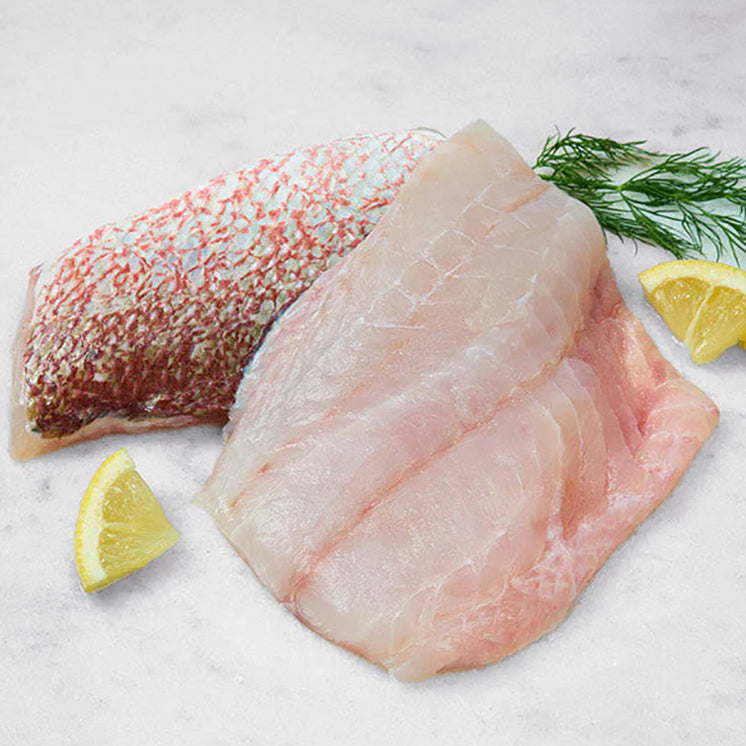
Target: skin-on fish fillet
x,y
149,323
442,441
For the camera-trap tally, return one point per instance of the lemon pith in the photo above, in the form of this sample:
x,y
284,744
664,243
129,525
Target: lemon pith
x,y
121,527
703,303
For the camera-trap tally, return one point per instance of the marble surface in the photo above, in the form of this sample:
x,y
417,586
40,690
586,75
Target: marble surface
x,y
109,108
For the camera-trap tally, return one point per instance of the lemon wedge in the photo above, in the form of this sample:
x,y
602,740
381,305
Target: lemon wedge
x,y
121,526
703,303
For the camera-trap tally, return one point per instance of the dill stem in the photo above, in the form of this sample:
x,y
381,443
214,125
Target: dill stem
x,y
691,204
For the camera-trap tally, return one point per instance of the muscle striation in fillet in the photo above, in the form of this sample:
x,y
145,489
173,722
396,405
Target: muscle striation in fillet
x,y
149,322
441,442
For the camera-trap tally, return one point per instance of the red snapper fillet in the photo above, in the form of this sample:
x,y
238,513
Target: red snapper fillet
x,y
150,322
443,440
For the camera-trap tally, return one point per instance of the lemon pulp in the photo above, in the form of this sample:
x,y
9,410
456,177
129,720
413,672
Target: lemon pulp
x,y
121,527
703,303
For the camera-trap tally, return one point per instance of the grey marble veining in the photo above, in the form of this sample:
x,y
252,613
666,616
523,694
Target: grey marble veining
x,y
109,108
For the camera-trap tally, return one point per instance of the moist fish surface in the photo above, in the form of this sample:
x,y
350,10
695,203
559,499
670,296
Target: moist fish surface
x,y
150,322
446,436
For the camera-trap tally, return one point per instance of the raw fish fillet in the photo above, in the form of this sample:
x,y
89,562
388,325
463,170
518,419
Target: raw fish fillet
x,y
443,440
150,322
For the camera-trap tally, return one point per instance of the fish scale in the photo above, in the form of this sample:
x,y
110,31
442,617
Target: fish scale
x,y
149,322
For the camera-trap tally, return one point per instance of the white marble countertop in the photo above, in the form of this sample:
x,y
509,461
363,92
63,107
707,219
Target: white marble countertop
x,y
110,108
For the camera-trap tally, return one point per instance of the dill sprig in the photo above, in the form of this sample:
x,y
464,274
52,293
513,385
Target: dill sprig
x,y
691,204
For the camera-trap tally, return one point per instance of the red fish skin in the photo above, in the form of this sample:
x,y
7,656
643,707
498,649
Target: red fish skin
x,y
148,323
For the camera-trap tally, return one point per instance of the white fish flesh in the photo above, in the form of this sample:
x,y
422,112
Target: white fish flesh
x,y
443,440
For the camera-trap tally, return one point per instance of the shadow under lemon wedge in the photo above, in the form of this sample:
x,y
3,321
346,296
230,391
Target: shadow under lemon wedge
x,y
703,303
121,527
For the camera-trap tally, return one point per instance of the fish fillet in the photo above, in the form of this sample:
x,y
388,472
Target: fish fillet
x,y
150,322
441,442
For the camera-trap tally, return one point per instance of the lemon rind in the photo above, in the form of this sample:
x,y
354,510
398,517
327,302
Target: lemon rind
x,y
93,576
88,526
714,274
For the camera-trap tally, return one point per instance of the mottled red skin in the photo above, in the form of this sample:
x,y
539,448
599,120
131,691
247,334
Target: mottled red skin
x,y
149,323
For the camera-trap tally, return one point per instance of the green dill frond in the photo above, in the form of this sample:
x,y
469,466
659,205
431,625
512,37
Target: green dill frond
x,y
691,204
